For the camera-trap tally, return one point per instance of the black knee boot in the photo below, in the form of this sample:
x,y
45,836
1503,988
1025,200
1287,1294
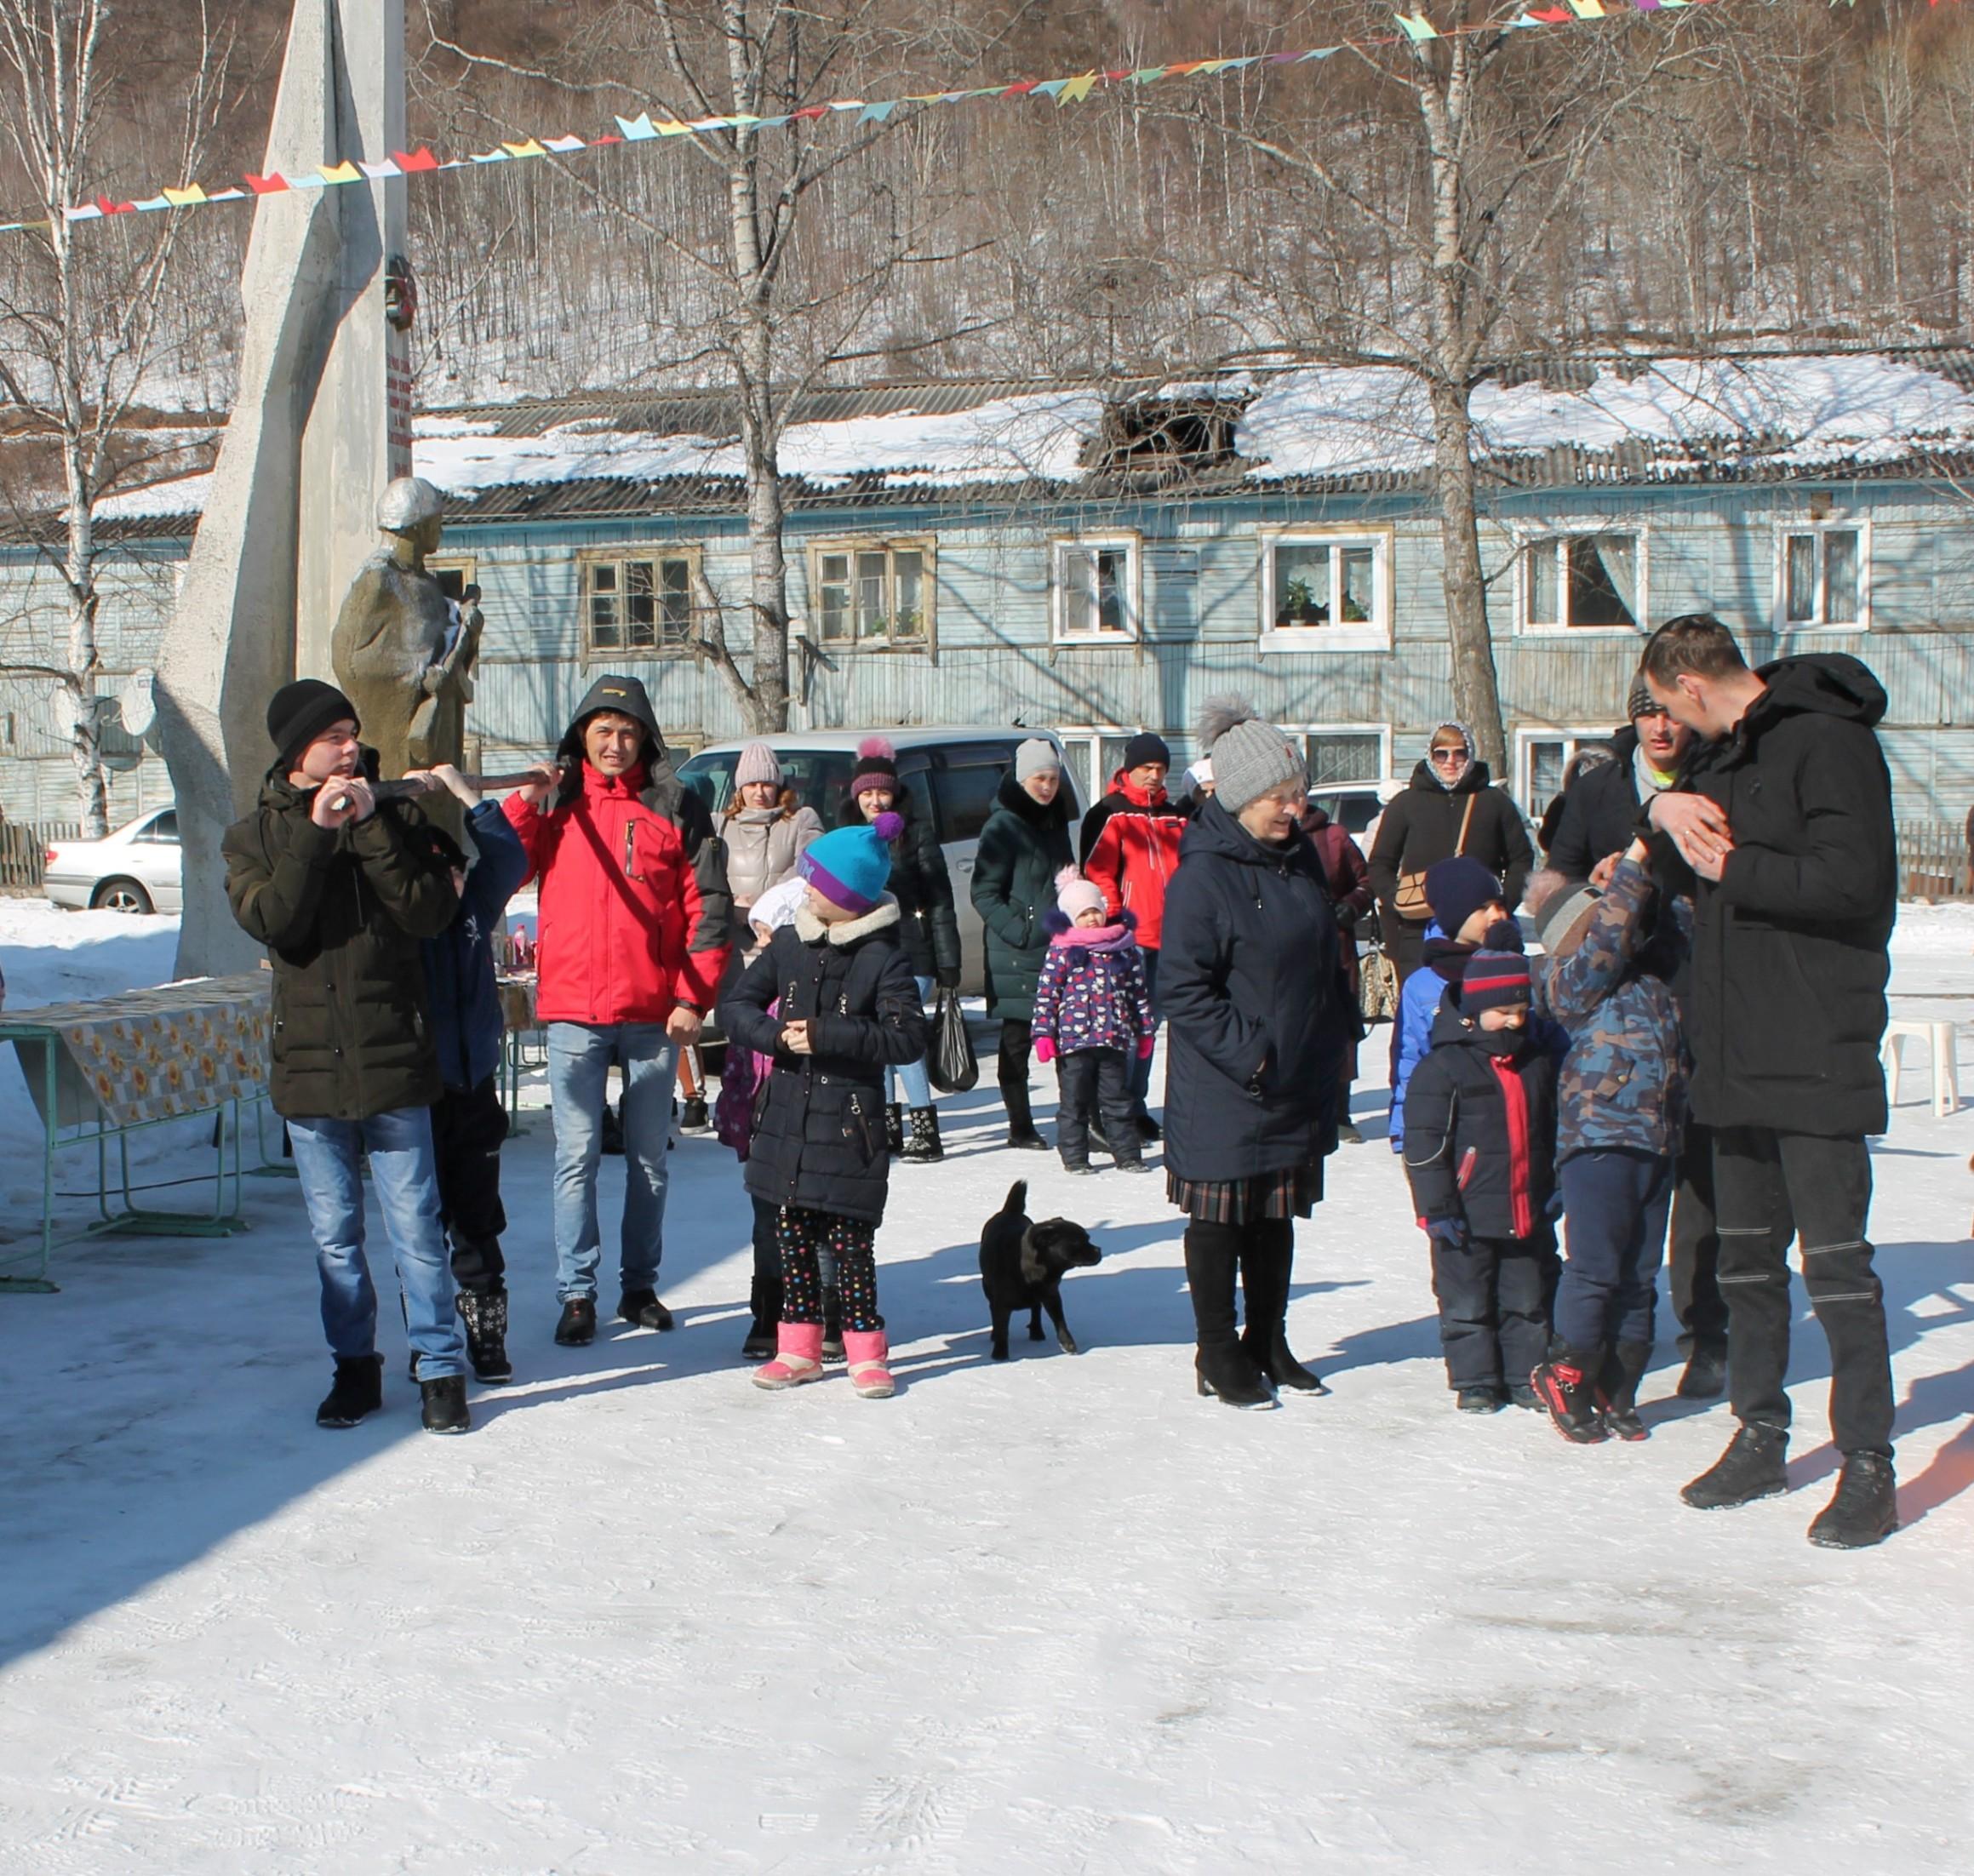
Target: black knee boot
x,y
1267,1262
1222,1365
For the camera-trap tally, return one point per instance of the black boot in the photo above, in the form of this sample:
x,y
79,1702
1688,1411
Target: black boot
x,y
833,1324
1149,1129
1221,1365
1753,1467
444,1404
766,1302
356,1390
578,1325
1566,1384
1706,1375
612,1131
1265,1273
1624,1368
484,1313
1865,1510
1480,1401
643,1307
924,1145
1020,1118
693,1118
894,1129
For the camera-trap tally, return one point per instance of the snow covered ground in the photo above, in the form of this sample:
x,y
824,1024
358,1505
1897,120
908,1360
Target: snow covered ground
x,y
1057,1615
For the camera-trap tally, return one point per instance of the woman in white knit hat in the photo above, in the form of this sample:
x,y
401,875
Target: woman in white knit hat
x,y
1259,1016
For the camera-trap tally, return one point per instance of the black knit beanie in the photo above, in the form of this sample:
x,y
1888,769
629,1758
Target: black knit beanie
x,y
299,713
1146,747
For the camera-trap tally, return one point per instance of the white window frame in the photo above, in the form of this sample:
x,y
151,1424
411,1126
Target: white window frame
x,y
1571,737
1373,634
1382,731
1525,537
1131,545
1779,621
620,556
926,546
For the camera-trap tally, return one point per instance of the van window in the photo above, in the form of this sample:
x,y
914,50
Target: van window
x,y
966,797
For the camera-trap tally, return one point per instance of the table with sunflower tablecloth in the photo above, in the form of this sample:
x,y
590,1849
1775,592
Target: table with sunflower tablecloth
x,y
98,1070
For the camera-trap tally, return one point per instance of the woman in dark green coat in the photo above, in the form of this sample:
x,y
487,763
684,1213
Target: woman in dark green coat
x,y
1024,845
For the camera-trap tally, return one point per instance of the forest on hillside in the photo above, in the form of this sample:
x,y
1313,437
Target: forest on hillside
x,y
1753,173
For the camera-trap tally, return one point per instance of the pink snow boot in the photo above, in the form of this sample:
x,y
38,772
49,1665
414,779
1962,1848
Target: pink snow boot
x,y
866,1350
797,1357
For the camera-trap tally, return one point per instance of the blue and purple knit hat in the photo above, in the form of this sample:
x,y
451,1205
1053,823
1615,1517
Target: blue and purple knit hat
x,y
849,865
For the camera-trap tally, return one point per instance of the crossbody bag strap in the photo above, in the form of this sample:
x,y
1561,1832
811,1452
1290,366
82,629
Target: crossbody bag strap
x,y
1466,821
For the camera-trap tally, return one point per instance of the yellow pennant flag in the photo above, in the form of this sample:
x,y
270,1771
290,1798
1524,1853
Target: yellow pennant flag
x,y
184,198
343,172
531,148
1076,90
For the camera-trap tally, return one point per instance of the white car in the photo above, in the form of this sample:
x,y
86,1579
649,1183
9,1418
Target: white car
x,y
135,869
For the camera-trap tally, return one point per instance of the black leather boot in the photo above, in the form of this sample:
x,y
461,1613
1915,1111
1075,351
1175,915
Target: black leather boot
x,y
1754,1466
1865,1510
1265,1271
766,1302
1222,1366
356,1390
1022,1118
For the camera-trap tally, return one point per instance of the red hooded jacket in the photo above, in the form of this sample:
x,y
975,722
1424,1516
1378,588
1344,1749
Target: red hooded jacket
x,y
1134,851
626,933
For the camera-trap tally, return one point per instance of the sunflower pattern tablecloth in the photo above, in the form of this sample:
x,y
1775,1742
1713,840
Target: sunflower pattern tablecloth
x,y
151,1055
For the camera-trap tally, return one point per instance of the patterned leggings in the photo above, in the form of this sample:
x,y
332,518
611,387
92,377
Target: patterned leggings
x,y
802,1234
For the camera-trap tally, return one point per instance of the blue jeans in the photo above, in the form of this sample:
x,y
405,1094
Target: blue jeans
x,y
908,1082
578,1063
1141,1065
328,1158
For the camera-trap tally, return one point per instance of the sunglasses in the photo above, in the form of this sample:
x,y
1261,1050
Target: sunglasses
x,y
1451,755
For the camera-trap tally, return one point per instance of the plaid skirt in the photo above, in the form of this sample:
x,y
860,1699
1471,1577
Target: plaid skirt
x,y
1294,1192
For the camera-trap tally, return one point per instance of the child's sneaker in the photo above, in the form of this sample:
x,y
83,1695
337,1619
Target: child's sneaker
x,y
1563,1386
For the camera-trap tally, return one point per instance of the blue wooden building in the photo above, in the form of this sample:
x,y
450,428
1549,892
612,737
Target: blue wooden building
x,y
1101,557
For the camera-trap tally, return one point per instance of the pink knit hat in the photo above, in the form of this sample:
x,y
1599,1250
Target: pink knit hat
x,y
1075,894
877,767
757,763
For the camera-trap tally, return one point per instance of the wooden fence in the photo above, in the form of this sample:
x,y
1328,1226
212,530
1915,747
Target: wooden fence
x,y
23,847
1932,861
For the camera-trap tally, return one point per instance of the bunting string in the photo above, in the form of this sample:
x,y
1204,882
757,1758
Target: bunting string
x,y
1414,29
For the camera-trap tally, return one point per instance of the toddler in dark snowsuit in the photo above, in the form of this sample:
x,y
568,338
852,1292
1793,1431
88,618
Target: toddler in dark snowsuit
x,y
1480,1144
848,1007
1621,1109
1093,1020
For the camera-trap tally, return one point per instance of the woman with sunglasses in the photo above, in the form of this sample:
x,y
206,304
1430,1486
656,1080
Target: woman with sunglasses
x,y
1449,808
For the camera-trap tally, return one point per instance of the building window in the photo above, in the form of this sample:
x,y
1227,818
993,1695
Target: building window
x,y
1541,756
1345,757
1821,577
872,593
637,601
1579,582
1096,591
1320,590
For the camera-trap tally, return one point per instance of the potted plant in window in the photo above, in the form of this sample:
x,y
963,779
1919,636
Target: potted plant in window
x,y
1299,605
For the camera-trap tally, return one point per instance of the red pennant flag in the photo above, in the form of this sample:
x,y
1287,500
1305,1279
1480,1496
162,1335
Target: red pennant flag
x,y
1552,16
110,208
267,185
421,159
1020,90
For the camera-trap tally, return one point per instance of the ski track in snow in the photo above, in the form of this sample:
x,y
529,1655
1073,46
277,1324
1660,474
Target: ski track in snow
x,y
1055,1615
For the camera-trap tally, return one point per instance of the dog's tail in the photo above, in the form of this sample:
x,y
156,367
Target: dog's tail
x,y
1017,1196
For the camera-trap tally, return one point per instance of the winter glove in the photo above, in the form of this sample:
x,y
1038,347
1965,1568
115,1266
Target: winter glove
x,y
1044,1050
1451,1231
1145,1047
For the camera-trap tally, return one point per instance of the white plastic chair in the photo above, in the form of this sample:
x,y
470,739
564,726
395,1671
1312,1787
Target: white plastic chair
x,y
1943,1038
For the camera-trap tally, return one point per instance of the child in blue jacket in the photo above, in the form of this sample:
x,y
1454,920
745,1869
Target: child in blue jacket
x,y
468,1123
1621,1106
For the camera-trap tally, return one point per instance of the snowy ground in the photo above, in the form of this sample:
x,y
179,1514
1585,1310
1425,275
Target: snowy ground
x,y
1057,1615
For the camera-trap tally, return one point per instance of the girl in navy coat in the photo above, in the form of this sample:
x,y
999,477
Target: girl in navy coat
x,y
848,1008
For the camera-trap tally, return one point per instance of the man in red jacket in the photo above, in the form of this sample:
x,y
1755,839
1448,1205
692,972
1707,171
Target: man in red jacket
x,y
1130,847
634,939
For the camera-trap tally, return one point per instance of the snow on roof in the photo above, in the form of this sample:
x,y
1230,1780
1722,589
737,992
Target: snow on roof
x,y
1656,420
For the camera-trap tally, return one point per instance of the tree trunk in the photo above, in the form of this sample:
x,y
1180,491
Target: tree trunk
x,y
767,703
1476,695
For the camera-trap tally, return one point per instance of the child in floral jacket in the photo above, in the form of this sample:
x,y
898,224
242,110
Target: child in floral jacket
x,y
1093,1018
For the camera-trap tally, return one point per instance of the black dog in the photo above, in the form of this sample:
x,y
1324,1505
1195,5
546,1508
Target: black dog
x,y
1021,1266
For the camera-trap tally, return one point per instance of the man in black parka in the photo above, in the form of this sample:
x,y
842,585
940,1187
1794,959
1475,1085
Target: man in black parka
x,y
1785,817
340,888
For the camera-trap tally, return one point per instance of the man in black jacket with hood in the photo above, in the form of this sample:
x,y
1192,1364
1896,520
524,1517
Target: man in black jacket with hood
x,y
1787,822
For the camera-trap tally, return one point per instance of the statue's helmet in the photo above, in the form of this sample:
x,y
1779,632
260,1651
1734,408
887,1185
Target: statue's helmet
x,y
408,503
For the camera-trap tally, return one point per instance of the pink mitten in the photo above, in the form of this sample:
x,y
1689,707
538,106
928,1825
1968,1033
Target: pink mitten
x,y
1044,1050
1145,1044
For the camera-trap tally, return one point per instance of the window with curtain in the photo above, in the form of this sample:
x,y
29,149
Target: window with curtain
x,y
1096,590
1581,580
873,593
1316,582
1822,577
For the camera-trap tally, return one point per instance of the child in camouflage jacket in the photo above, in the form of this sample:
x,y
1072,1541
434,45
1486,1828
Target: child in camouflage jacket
x,y
1621,1105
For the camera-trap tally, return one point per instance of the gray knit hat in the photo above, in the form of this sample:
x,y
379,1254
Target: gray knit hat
x,y
1249,756
1641,701
1035,756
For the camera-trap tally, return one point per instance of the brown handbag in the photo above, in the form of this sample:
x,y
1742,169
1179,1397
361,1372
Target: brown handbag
x,y
1410,902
